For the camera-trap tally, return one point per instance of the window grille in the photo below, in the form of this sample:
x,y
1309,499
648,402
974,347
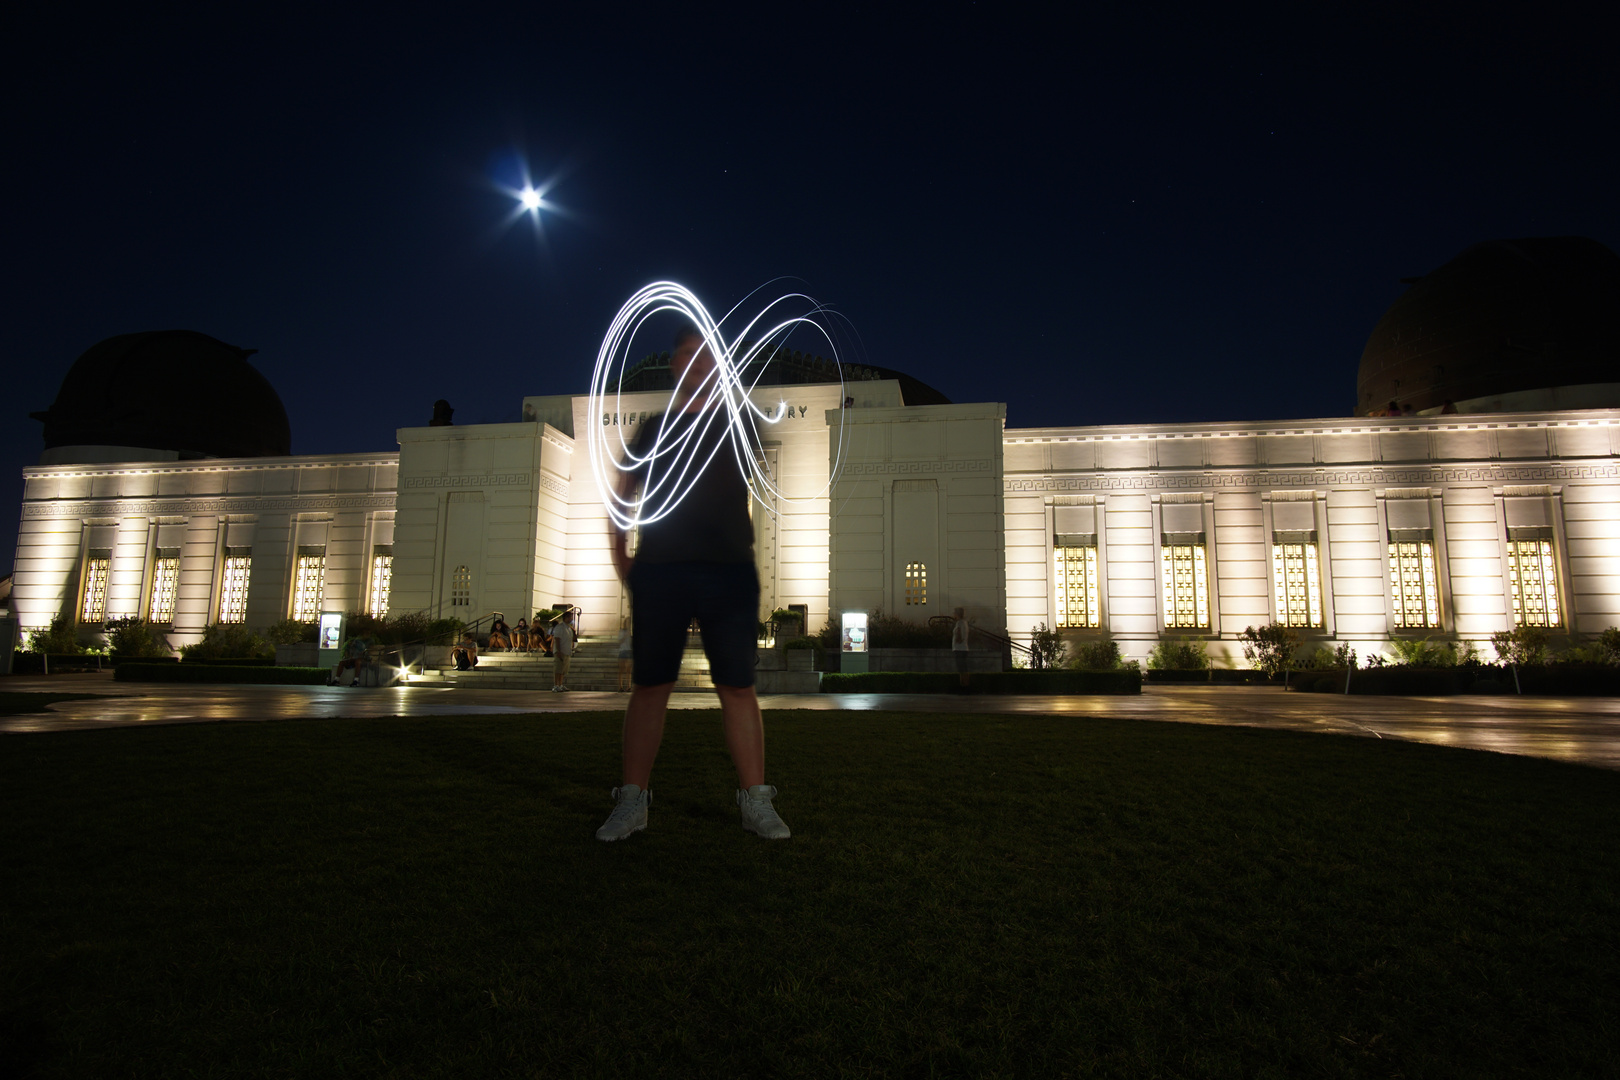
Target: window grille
x,y
1186,587
96,569
1415,587
1296,579
382,577
916,583
233,587
1534,578
1076,575
309,584
461,587
165,586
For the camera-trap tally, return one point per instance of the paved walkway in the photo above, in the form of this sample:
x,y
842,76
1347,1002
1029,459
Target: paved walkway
x,y
1585,730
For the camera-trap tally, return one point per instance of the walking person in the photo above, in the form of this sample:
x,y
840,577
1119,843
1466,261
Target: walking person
x,y
562,651
959,649
695,561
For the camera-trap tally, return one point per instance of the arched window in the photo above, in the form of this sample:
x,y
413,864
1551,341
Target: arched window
x,y
916,583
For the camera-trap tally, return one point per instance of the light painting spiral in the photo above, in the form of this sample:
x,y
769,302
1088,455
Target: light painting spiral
x,y
671,467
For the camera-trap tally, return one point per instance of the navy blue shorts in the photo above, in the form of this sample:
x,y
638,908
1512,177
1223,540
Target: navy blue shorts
x,y
666,597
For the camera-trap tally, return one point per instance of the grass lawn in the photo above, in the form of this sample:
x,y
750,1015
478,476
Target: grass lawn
x,y
963,896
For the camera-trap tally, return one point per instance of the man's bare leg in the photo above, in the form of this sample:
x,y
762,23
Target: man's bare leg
x,y
644,732
745,733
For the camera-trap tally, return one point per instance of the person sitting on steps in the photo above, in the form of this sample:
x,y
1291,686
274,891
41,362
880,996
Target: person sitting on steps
x,y
500,635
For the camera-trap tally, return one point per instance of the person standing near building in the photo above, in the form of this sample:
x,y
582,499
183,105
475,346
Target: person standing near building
x,y
562,651
959,648
697,561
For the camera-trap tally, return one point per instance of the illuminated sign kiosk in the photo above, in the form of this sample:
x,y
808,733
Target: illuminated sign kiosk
x,y
854,642
331,638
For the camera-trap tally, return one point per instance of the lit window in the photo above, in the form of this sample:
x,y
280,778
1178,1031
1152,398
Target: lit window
x,y
1296,579
1534,579
1416,589
233,588
382,576
1076,573
916,583
95,587
461,587
165,586
309,584
1186,587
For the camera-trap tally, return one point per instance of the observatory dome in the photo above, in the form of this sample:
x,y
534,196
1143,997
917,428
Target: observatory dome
x,y
1508,325
163,395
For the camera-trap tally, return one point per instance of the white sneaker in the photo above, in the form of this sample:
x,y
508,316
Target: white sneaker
x,y
629,813
759,816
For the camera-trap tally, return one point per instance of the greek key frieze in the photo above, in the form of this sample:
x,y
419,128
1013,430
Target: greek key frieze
x,y
500,480
1262,479
877,468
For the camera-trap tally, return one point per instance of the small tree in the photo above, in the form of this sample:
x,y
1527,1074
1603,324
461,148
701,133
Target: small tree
x,y
1270,648
1522,646
61,637
1046,647
1608,645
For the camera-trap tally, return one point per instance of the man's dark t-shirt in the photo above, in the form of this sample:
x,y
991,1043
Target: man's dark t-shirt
x,y
711,524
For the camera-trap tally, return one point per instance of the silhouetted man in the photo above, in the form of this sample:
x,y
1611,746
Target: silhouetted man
x,y
696,561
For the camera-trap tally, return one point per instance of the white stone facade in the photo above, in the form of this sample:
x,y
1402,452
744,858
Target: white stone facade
x,y
935,507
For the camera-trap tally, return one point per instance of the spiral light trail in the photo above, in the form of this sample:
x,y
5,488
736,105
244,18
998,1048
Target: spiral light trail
x,y
671,465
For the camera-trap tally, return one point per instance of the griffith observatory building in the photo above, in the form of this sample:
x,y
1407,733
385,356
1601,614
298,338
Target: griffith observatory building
x,y
1490,499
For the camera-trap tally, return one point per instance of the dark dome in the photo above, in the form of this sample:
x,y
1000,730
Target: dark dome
x,y
172,390
1504,317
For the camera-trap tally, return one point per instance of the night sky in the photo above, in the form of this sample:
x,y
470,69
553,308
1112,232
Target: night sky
x,y
1126,219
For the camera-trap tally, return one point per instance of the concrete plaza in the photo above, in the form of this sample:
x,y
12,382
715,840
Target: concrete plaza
x,y
1582,730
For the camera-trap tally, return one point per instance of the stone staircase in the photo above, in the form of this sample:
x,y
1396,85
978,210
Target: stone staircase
x,y
595,667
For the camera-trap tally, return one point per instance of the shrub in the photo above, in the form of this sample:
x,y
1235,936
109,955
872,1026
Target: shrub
x,y
1046,648
1426,652
1100,653
292,632
1604,649
892,632
803,643
134,636
1522,646
221,640
1270,648
407,628
61,638
1178,654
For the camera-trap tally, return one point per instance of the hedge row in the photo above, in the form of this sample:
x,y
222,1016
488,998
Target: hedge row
x,y
1224,676
222,673
1122,681
1560,680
